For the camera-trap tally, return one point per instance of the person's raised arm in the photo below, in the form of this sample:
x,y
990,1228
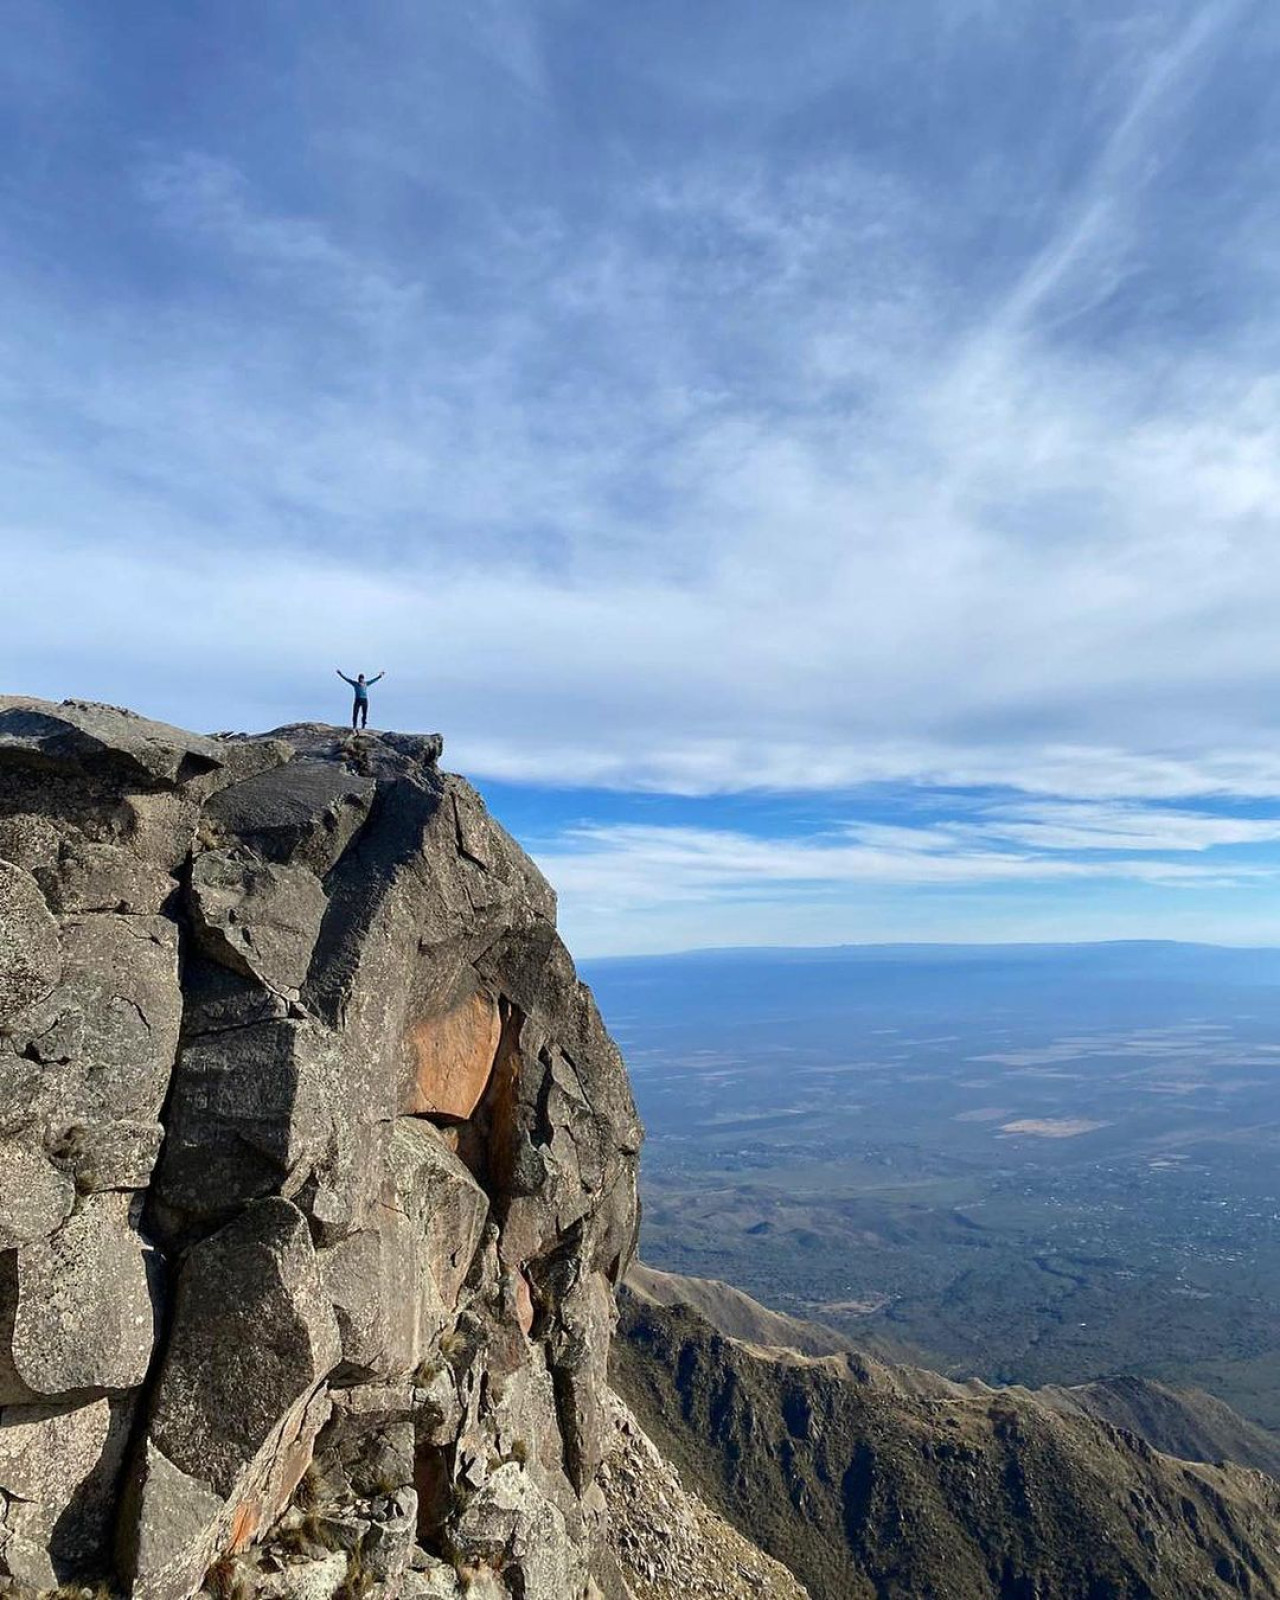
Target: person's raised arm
x,y
345,679
380,675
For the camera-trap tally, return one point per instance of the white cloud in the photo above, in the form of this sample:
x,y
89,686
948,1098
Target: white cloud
x,y
728,483
1056,825
1033,870
1085,258
210,201
631,863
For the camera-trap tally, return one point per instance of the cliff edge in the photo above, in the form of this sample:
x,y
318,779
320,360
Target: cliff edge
x,y
317,1172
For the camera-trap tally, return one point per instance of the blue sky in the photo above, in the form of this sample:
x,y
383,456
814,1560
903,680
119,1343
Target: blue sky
x,y
818,464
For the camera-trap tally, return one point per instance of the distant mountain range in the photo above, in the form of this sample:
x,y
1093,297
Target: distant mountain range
x,y
927,952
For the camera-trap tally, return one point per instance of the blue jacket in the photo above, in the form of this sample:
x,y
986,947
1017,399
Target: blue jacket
x,y
361,689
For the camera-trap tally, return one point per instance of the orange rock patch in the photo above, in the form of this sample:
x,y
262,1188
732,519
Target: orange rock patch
x,y
245,1524
453,1057
272,1493
524,1303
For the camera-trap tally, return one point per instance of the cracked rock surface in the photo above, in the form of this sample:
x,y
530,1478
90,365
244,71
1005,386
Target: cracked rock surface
x,y
317,1172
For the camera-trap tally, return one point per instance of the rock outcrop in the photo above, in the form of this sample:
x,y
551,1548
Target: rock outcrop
x,y
317,1172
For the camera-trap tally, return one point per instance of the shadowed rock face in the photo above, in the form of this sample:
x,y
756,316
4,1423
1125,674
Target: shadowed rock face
x,y
315,1159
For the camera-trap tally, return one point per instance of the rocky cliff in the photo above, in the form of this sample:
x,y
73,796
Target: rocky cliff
x,y
317,1171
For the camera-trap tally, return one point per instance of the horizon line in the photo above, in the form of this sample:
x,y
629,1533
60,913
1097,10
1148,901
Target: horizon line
x,y
870,945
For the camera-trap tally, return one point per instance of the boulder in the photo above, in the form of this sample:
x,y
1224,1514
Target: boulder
x,y
363,1407
512,1526
388,1545
253,1333
395,1281
257,918
445,1204
99,1047
453,1056
351,1174
237,1402
58,1472
161,827
437,1407
381,755
578,1351
251,1113
305,815
506,873
78,1314
526,1420
30,946
166,1534
83,736
320,1579
110,1155
396,934
388,1308
89,876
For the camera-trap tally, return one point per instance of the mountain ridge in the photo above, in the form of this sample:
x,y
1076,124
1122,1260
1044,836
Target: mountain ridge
x,y
1185,1422
869,1481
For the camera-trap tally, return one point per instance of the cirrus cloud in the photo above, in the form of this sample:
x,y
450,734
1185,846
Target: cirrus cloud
x,y
918,429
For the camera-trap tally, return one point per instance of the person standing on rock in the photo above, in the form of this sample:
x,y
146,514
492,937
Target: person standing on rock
x,y
360,708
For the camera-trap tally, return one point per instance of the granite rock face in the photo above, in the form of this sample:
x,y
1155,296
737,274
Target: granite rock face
x,y
317,1172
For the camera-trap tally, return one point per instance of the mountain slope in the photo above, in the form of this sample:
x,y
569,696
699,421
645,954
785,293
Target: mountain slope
x,y
1180,1422
734,1313
867,1482
669,1543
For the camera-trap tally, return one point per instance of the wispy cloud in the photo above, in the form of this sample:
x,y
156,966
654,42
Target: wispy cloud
x,y
634,863
1085,257
210,204
1061,826
919,428
634,885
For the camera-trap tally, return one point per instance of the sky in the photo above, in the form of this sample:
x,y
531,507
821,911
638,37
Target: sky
x,y
818,464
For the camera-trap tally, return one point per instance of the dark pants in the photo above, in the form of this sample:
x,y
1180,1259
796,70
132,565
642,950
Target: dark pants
x,y
360,713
